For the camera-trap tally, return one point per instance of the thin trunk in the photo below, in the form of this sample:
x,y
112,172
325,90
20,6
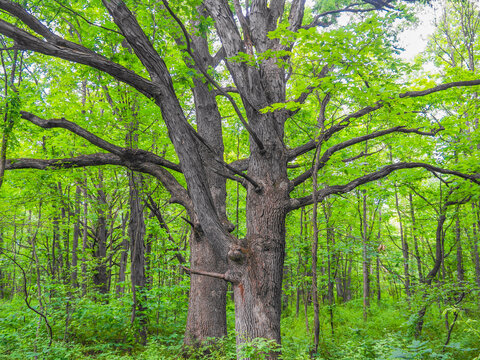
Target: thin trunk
x,y
365,259
380,248
54,244
84,240
316,305
148,261
475,246
100,278
76,236
439,256
2,275
458,238
123,259
405,252
330,247
299,265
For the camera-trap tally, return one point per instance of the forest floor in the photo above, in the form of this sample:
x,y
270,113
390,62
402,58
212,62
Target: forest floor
x,y
102,331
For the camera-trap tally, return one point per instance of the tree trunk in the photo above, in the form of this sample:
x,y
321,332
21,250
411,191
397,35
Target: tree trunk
x,y
84,240
439,256
76,236
458,238
405,252
365,259
207,316
136,231
258,290
100,278
122,268
415,239
380,248
2,275
475,246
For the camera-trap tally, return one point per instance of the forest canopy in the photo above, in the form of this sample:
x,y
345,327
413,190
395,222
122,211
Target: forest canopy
x,y
238,179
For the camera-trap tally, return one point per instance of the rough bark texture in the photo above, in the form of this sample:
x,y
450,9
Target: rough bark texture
x,y
255,264
207,301
136,232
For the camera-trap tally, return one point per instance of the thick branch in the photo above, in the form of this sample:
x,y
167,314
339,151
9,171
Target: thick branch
x,y
383,172
66,163
330,151
61,48
178,192
294,153
126,154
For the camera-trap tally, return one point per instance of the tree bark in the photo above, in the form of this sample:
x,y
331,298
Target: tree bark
x,y
415,239
255,263
405,250
207,316
476,242
136,232
100,278
122,268
76,236
458,239
365,259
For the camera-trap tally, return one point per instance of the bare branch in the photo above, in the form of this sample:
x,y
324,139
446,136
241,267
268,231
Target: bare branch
x,y
205,273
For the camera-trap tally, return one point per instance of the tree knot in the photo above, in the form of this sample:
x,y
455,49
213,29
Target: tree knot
x,y
237,254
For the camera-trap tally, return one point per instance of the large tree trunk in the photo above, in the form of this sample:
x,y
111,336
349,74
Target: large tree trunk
x,y
258,290
136,231
207,301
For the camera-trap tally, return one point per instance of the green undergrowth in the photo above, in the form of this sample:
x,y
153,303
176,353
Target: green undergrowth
x,y
99,330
